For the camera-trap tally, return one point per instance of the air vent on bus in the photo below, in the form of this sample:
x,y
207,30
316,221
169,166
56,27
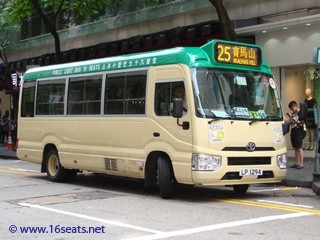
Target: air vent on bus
x,y
244,149
235,161
111,164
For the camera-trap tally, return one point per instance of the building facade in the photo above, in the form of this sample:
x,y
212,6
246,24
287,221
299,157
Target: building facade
x,y
287,30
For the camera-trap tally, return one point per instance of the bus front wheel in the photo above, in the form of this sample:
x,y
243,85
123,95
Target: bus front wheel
x,y
165,178
55,172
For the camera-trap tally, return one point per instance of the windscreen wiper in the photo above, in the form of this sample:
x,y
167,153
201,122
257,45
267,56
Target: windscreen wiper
x,y
252,121
214,118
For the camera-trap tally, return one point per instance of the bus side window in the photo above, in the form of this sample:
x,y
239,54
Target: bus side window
x,y
93,96
50,97
136,101
114,104
161,105
27,103
136,96
115,88
125,93
164,94
84,96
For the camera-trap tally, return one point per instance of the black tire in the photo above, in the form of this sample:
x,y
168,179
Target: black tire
x,y
55,172
165,178
240,189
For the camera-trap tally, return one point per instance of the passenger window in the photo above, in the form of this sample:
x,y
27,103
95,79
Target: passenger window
x,y
126,93
50,97
136,95
84,96
115,89
27,102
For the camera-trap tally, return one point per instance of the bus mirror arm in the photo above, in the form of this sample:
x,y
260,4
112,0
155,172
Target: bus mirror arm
x,y
178,123
185,125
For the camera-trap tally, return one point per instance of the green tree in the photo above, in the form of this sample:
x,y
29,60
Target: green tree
x,y
227,29
3,35
77,12
7,28
73,12
51,11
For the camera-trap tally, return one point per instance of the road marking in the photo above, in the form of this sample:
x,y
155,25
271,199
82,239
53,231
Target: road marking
x,y
190,231
160,235
18,171
110,222
24,170
288,204
271,206
274,189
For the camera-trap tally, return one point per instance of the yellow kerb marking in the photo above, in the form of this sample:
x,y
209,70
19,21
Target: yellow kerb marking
x,y
16,171
271,206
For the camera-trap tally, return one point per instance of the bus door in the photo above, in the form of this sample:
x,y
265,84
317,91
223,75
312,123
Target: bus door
x,y
173,136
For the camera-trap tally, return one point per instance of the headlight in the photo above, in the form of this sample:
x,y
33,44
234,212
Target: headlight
x,y
203,162
282,161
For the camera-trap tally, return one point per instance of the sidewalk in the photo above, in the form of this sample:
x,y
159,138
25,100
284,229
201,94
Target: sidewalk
x,y
6,154
295,177
302,177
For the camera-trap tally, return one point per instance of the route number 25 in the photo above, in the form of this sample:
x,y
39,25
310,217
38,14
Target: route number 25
x,y
224,53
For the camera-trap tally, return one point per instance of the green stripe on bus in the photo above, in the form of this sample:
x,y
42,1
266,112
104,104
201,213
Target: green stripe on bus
x,y
189,56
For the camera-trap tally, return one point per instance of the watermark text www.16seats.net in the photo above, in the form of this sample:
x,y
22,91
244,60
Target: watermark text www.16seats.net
x,y
55,229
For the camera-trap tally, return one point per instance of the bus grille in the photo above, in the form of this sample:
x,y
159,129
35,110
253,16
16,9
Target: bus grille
x,y
244,149
235,161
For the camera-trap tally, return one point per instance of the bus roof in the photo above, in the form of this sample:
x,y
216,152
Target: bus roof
x,y
190,56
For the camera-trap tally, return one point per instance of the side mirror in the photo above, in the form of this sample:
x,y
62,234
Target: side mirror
x,y
177,109
303,110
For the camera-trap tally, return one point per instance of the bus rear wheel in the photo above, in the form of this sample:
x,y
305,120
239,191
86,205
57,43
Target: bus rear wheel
x,y
165,178
240,189
55,172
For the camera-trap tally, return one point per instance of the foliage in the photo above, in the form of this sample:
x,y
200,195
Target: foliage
x,y
71,12
77,11
7,27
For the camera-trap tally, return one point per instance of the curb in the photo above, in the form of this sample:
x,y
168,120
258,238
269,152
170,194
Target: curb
x,y
8,157
296,183
316,187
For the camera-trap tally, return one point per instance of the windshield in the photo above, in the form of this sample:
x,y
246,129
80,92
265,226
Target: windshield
x,y
235,95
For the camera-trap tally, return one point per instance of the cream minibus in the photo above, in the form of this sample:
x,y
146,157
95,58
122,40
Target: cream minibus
x,y
121,116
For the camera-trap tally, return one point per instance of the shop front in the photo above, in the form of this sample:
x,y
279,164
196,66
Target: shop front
x,y
292,50
293,53
302,84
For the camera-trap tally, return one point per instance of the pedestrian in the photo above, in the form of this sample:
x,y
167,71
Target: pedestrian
x,y
298,132
5,126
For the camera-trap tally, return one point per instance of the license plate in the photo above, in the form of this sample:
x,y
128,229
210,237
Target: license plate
x,y
250,172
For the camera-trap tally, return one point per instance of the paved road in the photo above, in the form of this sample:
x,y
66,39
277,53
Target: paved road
x,y
122,209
